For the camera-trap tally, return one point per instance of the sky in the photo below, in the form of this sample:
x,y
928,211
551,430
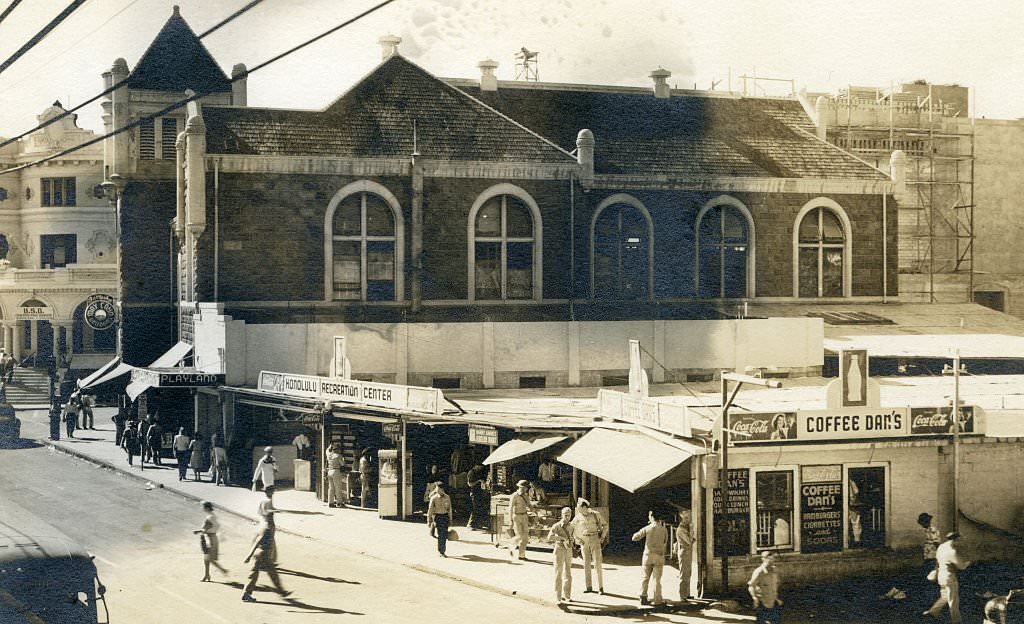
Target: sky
x,y
823,45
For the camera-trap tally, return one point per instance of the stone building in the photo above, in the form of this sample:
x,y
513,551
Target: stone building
x,y
57,247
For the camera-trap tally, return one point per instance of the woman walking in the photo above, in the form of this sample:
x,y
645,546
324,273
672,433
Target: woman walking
x,y
196,458
208,542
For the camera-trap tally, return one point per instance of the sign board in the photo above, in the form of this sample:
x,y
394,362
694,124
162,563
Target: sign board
x,y
392,431
334,390
100,312
34,310
483,434
853,373
180,378
851,423
732,528
821,508
660,416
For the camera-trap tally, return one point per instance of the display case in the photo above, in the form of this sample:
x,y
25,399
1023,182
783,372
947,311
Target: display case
x,y
541,518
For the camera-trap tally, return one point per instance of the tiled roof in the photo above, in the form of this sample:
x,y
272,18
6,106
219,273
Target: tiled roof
x,y
379,118
177,60
637,133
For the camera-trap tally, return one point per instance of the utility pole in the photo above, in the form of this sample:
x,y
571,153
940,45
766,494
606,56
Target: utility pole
x,y
723,480
955,417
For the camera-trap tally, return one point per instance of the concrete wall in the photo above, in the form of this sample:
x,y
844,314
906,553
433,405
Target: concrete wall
x,y
998,193
489,354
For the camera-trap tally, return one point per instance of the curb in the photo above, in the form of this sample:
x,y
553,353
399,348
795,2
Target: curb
x,y
413,566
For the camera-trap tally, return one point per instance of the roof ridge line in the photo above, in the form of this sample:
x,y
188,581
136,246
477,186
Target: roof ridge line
x,y
842,151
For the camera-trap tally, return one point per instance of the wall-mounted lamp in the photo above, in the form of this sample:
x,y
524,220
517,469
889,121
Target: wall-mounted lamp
x,y
112,187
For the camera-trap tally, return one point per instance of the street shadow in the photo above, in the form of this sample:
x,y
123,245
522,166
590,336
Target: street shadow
x,y
305,606
83,439
479,559
19,444
328,579
300,512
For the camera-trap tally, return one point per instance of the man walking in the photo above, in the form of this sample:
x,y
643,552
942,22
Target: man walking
x,y
764,589
519,506
181,447
684,553
264,559
560,534
590,531
476,479
439,516
88,422
337,479
266,469
154,441
655,537
949,562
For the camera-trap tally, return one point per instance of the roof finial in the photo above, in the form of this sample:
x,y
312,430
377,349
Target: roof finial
x,y
177,11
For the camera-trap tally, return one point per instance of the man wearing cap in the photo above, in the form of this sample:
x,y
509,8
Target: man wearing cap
x,y
266,469
764,589
590,531
655,537
932,539
337,480
519,507
439,516
949,561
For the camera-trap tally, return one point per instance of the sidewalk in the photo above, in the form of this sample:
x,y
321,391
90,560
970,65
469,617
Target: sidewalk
x,y
472,560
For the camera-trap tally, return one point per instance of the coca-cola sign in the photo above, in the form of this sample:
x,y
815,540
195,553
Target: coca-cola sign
x,y
762,427
937,420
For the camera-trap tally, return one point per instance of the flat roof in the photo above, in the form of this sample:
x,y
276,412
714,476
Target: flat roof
x,y
911,330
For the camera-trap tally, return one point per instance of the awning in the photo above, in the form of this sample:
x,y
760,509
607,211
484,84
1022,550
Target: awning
x,y
629,459
522,446
92,379
173,356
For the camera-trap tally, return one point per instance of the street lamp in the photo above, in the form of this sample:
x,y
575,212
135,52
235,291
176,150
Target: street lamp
x,y
112,189
727,400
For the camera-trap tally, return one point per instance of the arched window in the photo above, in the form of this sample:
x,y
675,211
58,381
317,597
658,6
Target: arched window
x,y
621,245
822,253
724,247
504,247
363,258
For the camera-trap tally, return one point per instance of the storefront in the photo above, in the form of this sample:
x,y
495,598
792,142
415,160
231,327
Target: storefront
x,y
840,488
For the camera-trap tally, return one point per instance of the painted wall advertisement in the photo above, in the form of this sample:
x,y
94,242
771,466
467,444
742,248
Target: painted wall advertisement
x,y
732,528
821,508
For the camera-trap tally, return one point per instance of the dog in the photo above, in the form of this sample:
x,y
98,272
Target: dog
x,y
995,608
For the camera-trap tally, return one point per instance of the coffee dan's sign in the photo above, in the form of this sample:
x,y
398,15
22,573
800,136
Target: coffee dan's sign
x,y
853,423
338,390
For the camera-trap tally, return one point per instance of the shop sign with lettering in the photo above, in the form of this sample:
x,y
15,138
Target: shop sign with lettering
x,y
335,390
169,378
100,311
651,413
821,508
34,310
483,434
392,431
732,528
762,427
937,420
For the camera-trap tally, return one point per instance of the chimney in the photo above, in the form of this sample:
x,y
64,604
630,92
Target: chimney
x,y
488,81
661,88
585,155
239,76
819,111
388,46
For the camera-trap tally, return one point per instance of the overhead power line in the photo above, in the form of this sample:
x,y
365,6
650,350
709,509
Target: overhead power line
x,y
196,96
9,8
63,15
119,84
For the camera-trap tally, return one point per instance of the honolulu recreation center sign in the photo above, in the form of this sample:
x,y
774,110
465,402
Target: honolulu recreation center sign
x,y
337,390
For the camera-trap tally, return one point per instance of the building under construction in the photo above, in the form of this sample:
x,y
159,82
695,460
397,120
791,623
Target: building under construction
x,y
931,125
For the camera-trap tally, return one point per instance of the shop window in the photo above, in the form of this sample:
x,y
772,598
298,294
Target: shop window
x,y
446,383
533,382
821,250
866,511
774,509
723,243
363,250
621,244
504,245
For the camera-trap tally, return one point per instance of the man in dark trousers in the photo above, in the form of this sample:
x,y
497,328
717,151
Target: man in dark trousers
x,y
119,420
154,440
264,559
439,516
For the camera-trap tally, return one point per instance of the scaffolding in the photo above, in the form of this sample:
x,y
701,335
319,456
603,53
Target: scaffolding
x,y
936,213
526,65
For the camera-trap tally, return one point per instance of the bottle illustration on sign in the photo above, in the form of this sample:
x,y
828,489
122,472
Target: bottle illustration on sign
x,y
854,381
